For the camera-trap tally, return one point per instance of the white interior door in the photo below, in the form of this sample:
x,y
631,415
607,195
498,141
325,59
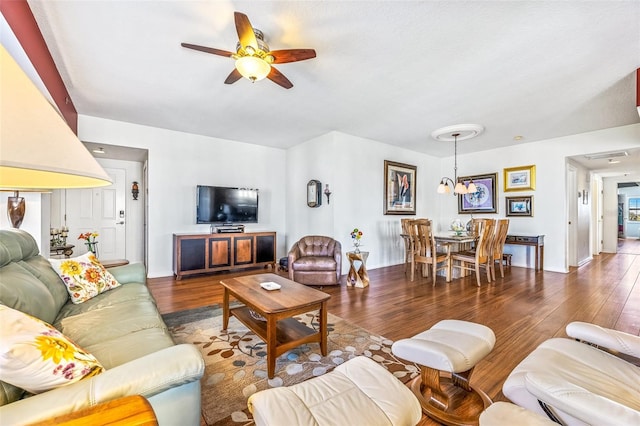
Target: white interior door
x,y
572,216
102,210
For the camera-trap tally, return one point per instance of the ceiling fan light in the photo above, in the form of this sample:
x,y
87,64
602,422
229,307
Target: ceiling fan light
x,y
253,68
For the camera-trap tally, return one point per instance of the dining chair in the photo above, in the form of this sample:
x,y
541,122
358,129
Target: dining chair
x,y
477,224
409,236
425,251
480,257
500,236
408,247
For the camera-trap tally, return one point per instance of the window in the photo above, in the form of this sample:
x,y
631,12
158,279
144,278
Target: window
x,y
634,209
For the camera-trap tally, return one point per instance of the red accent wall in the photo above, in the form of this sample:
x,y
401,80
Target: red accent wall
x,y
23,24
638,87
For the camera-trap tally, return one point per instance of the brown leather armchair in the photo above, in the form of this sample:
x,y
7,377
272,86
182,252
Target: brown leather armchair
x,y
316,260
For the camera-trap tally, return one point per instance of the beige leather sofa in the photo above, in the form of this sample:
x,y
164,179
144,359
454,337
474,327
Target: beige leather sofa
x,y
315,260
121,327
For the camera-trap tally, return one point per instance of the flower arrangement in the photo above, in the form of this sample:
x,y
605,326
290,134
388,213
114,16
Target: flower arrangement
x,y
90,237
356,235
91,242
457,227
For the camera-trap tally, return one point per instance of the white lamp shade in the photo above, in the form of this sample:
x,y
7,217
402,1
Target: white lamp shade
x,y
472,188
253,68
38,150
460,188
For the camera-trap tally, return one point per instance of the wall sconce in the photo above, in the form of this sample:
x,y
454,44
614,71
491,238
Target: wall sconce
x,y
135,190
327,192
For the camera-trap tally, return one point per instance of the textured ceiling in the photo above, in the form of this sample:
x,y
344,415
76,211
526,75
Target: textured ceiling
x,y
392,71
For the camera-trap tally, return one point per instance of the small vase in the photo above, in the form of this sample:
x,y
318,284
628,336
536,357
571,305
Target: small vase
x,y
357,247
93,248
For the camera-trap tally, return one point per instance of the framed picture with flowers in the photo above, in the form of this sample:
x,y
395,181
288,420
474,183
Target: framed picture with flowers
x,y
484,199
399,188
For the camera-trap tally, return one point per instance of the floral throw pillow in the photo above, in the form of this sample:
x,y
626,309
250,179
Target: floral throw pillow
x,y
84,277
36,357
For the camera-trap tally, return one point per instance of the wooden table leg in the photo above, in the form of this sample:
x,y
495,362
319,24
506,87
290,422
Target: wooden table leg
x,y
323,328
542,257
225,309
271,346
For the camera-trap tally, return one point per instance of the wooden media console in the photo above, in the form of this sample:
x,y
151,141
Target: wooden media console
x,y
207,253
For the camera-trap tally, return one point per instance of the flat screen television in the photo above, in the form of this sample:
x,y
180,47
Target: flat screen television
x,y
218,204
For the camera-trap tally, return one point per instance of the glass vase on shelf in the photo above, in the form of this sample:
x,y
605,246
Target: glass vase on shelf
x,y
356,245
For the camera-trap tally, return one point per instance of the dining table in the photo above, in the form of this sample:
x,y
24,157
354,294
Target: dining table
x,y
460,241
456,243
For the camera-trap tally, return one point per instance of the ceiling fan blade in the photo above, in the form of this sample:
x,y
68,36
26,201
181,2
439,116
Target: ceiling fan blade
x,y
233,77
292,55
207,49
245,31
279,78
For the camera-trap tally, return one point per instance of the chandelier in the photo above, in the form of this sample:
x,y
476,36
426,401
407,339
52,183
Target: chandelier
x,y
455,133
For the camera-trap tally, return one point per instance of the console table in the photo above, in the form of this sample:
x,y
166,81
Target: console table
x,y
206,253
67,250
536,241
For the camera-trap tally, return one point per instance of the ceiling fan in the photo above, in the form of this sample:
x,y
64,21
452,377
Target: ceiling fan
x,y
253,57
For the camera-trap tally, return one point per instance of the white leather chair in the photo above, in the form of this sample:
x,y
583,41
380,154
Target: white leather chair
x,y
578,383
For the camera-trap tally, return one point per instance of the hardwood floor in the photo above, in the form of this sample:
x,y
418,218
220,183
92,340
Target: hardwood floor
x,y
523,309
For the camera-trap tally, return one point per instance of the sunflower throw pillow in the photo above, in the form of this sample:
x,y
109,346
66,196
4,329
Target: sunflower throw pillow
x,y
36,357
84,277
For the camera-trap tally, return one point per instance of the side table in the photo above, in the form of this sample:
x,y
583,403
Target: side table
x,y
67,250
112,263
357,275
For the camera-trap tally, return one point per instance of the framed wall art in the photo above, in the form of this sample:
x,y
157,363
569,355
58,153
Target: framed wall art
x,y
520,206
399,188
484,199
520,178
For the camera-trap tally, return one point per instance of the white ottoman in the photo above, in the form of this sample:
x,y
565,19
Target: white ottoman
x,y
360,391
448,353
505,413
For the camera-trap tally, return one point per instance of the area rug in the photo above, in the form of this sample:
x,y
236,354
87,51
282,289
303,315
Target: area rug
x,y
236,359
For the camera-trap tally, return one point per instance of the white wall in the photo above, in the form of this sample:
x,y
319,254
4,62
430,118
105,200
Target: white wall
x,y
180,161
550,213
354,169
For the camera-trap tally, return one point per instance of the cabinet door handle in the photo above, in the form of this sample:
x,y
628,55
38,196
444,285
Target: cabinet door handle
x,y
120,223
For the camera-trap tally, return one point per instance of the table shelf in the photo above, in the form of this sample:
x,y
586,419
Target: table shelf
x,y
288,330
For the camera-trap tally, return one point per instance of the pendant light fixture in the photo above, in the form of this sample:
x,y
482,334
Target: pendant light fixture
x,y
456,133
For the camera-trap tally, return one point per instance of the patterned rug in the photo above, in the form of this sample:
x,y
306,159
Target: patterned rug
x,y
236,359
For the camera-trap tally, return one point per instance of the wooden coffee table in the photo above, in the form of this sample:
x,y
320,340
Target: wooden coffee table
x,y
279,330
